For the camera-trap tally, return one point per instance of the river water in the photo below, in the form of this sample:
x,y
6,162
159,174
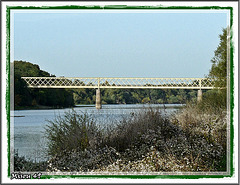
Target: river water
x,y
28,125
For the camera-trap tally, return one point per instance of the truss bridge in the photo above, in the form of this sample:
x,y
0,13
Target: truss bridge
x,y
124,83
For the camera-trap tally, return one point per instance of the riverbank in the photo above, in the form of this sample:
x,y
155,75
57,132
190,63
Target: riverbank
x,y
146,141
39,107
29,124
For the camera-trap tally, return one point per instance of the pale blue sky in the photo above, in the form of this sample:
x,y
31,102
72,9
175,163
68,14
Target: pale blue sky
x,y
119,44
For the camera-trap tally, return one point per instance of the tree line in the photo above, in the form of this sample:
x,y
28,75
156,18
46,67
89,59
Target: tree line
x,y
135,96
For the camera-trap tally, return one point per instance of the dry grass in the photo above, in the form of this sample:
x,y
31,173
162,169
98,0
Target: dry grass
x,y
208,124
150,142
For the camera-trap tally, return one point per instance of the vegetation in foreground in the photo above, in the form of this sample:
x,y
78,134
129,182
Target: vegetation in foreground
x,y
146,141
22,164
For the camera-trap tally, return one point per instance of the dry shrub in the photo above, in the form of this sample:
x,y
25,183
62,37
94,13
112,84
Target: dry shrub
x,y
161,145
208,124
83,160
71,131
22,164
148,141
156,161
129,130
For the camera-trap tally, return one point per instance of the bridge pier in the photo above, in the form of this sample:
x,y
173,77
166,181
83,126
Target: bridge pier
x,y
98,99
199,95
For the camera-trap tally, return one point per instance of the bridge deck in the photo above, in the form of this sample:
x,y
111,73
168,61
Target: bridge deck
x,y
143,83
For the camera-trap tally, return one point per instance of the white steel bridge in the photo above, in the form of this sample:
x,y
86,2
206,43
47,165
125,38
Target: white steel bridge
x,y
124,83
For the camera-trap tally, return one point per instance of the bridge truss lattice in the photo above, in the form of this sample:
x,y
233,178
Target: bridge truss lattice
x,y
142,83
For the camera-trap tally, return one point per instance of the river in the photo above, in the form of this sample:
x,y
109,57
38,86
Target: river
x,y
28,125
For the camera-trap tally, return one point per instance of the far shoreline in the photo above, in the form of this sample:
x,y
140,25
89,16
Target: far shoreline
x,y
42,107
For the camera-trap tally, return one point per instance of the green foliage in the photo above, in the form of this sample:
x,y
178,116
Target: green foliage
x,y
25,69
134,96
23,96
219,61
216,100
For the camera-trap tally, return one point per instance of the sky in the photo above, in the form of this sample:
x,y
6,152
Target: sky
x,y
113,44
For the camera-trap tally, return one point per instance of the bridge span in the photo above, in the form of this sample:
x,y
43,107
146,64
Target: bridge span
x,y
124,83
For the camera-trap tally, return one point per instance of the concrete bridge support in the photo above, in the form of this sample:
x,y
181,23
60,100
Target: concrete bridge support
x,y
98,99
199,95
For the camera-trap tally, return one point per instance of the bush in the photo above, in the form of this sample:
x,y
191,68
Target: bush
x,y
151,142
70,132
22,164
212,126
146,140
214,101
83,160
129,130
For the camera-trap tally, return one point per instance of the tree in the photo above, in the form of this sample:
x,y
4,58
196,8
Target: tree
x,y
181,96
23,96
219,61
216,99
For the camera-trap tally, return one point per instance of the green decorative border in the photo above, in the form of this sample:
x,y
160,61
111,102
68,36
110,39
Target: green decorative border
x,y
115,7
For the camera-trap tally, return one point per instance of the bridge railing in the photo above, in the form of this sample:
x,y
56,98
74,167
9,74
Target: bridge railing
x,y
144,83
